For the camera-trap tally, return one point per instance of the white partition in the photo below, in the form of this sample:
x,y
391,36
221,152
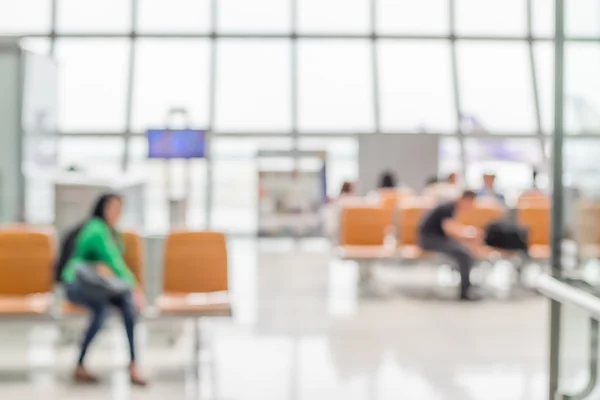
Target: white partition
x,y
28,97
413,158
76,194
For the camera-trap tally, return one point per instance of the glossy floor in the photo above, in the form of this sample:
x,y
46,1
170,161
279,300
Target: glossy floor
x,y
303,332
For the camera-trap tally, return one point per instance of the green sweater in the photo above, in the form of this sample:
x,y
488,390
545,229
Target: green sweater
x,y
96,245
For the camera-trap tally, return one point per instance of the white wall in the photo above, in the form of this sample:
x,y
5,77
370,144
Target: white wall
x,y
9,131
413,158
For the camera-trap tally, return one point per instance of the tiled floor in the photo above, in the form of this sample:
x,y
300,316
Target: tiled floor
x,y
302,332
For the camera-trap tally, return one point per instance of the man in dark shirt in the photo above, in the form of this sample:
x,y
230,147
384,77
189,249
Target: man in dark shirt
x,y
440,232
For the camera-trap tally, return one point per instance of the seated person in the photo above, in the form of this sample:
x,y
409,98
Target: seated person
x,y
488,189
97,244
440,232
387,180
348,189
443,190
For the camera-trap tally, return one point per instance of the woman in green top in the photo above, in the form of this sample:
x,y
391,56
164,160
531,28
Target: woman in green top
x,y
97,242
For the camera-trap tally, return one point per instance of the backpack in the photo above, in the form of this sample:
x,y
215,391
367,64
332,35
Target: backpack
x,y
507,235
67,245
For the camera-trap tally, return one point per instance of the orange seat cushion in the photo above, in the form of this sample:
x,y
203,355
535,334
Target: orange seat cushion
x,y
413,252
366,252
25,305
201,304
540,252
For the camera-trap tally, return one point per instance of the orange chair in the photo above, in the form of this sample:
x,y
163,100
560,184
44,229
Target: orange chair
x,y
389,203
363,233
26,281
134,255
481,215
410,217
195,280
390,199
195,277
536,218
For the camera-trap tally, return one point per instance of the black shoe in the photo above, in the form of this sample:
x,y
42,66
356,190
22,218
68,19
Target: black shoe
x,y
470,296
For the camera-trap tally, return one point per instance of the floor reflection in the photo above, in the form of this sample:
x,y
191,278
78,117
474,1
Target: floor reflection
x,y
301,332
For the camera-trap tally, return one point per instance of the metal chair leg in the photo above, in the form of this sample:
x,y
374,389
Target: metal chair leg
x,y
197,347
365,273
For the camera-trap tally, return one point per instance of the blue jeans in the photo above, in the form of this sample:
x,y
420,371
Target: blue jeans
x,y
99,313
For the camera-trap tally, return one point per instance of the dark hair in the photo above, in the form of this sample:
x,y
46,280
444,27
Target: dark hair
x,y
388,180
468,194
100,207
67,244
346,187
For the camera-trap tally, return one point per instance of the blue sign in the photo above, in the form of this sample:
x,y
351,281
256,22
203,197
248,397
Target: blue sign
x,y
176,143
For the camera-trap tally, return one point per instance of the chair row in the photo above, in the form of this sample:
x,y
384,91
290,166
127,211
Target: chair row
x,y
363,231
195,275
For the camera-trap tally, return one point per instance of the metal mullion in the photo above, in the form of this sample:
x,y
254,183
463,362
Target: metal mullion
x,y
375,68
130,84
294,74
557,199
330,134
212,109
53,25
456,86
536,94
254,36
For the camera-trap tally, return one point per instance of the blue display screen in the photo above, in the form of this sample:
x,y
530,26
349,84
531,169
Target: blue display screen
x,y
177,143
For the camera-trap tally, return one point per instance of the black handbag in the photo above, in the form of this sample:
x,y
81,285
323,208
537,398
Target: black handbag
x,y
506,234
96,287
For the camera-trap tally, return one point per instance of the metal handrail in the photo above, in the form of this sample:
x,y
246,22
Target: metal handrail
x,y
567,294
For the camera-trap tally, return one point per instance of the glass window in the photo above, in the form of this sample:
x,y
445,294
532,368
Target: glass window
x,y
512,160
163,81
582,18
25,16
544,66
338,172
491,17
94,16
335,86
235,180
496,87
449,156
253,86
254,16
340,148
413,17
235,188
582,88
94,155
171,16
543,17
416,87
155,172
581,167
236,148
92,84
334,16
